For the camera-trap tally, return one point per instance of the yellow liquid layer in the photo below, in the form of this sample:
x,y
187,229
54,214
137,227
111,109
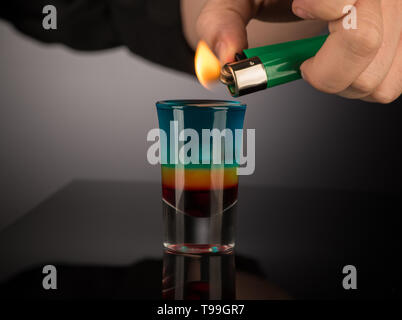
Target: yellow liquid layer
x,y
199,178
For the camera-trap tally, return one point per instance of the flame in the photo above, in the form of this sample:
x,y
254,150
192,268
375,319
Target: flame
x,y
207,65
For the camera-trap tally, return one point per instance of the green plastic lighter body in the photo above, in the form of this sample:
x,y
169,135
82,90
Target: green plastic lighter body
x,y
282,61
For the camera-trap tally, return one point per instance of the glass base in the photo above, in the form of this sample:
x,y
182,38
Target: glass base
x,y
198,248
193,234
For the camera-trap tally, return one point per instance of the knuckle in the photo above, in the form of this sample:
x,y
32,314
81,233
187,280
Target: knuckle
x,y
365,84
321,82
324,85
328,88
385,96
366,40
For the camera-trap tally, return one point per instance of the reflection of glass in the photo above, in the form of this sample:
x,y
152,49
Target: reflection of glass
x,y
199,198
207,276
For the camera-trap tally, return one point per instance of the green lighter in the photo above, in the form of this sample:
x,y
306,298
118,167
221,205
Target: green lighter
x,y
265,67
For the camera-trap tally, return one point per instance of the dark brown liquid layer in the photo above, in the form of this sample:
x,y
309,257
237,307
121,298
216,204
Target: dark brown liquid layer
x,y
200,203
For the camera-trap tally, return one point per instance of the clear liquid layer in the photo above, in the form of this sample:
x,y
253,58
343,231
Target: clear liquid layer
x,y
194,234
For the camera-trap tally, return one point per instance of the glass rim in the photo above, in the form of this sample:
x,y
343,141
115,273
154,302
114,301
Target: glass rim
x,y
201,104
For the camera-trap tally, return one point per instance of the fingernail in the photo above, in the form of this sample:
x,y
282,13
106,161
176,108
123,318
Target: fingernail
x,y
301,13
221,50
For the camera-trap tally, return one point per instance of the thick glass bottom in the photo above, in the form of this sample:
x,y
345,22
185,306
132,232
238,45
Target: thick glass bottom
x,y
193,234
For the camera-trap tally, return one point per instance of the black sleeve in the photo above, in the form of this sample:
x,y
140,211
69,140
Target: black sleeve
x,y
149,28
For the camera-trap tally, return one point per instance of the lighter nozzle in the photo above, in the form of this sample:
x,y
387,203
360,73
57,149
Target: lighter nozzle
x,y
227,76
244,76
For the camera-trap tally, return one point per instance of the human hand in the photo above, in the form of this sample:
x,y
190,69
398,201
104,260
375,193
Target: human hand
x,y
365,63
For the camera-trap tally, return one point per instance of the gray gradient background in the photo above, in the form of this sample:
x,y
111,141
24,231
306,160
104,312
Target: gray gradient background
x,y
68,115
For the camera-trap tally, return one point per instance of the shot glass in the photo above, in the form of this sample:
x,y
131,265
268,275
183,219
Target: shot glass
x,y
200,145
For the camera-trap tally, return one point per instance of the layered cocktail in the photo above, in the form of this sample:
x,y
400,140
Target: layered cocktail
x,y
200,145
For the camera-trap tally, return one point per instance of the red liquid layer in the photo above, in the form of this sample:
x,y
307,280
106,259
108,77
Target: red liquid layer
x,y
199,192
200,203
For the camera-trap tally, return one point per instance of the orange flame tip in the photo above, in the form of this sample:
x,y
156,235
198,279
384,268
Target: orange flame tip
x,y
207,65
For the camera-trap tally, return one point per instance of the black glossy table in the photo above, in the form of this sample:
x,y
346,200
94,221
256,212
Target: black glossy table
x,y
105,239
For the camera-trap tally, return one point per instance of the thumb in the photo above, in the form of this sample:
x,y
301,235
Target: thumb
x,y
222,25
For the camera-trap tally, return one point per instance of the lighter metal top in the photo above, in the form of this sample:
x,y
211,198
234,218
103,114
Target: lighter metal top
x,y
244,76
